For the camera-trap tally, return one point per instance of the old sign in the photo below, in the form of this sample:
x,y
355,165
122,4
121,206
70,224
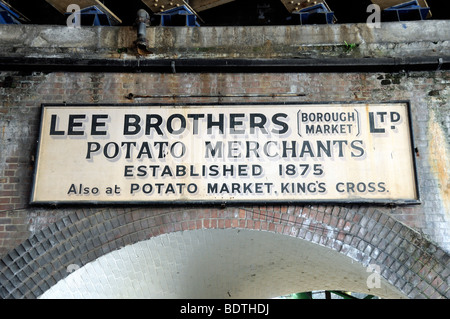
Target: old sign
x,y
225,153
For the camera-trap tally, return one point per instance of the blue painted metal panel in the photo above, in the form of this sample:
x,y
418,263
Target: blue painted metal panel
x,y
93,16
317,14
406,11
178,16
7,16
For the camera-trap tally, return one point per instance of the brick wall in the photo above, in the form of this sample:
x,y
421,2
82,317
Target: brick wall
x,y
21,96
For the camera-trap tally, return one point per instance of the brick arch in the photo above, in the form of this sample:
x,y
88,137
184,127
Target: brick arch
x,y
368,235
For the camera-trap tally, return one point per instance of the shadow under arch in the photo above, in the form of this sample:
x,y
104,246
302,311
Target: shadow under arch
x,y
408,262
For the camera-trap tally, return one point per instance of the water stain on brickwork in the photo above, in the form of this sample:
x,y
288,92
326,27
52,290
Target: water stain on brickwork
x,y
439,159
96,86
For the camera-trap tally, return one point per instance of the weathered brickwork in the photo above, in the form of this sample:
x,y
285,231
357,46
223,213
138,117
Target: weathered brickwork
x,y
412,243
408,261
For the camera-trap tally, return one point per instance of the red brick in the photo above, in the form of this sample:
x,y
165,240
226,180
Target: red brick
x,y
12,159
279,228
6,207
341,236
12,166
263,225
17,200
6,193
9,173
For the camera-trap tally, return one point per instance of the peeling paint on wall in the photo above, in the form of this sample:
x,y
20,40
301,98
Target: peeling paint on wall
x,y
439,159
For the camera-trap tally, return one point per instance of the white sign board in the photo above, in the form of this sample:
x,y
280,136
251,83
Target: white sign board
x,y
225,153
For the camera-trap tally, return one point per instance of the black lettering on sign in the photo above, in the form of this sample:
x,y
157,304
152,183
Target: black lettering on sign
x,y
96,124
131,124
284,125
182,120
53,125
74,124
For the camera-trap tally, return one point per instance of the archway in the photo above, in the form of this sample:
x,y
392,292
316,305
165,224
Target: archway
x,y
263,251
218,263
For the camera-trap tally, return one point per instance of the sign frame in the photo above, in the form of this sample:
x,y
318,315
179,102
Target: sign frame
x,y
233,202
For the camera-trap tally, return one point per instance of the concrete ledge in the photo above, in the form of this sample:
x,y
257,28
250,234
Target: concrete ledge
x,y
393,40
